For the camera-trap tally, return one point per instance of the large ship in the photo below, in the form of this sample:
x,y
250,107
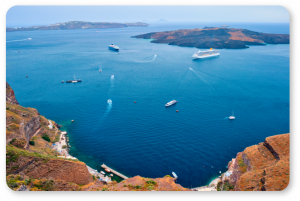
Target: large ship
x,y
113,47
206,54
171,103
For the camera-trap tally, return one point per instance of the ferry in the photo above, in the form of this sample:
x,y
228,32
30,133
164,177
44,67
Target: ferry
x,y
73,81
171,103
113,47
206,54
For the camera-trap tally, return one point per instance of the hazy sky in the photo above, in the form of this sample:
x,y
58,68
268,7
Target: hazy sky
x,y
44,15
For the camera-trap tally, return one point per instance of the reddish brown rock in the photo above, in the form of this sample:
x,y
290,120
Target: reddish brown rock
x,y
262,167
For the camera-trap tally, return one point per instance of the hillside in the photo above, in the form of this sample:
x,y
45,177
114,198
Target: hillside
x,y
78,25
219,38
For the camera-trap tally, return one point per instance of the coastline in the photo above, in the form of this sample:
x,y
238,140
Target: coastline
x,y
64,153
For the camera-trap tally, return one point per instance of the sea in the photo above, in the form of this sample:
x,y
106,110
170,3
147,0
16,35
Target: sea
x,y
136,134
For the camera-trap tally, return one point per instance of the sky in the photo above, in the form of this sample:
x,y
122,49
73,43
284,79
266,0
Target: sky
x,y
45,15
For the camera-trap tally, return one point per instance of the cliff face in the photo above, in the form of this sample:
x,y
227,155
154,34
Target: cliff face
x,y
38,166
137,183
262,167
10,95
209,37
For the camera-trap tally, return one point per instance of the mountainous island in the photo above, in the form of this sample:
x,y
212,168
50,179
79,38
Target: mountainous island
x,y
34,164
78,25
215,37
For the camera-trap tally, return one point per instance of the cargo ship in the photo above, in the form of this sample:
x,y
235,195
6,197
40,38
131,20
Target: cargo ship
x,y
206,54
113,47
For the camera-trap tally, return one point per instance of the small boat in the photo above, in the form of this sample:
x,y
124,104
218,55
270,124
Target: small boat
x,y
102,172
232,116
73,81
112,76
72,120
100,70
109,101
171,103
107,170
174,175
111,175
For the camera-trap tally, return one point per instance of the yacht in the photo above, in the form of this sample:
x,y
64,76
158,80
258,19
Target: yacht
x,y
171,103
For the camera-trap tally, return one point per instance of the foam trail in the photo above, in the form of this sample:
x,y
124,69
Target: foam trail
x,y
229,82
209,86
153,59
108,108
15,40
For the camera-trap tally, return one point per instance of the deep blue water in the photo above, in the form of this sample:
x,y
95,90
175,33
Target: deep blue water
x,y
145,138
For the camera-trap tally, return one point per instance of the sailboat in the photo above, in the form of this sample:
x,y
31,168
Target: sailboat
x,y
73,81
232,116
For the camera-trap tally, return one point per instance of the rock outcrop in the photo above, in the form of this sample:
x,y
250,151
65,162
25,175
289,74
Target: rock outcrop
x,y
10,95
262,167
219,38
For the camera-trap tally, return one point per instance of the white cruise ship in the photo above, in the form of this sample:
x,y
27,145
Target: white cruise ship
x,y
206,54
171,103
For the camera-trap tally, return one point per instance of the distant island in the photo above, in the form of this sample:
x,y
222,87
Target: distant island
x,y
215,37
78,25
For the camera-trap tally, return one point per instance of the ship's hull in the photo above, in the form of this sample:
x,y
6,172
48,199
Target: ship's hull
x,y
113,49
168,105
205,56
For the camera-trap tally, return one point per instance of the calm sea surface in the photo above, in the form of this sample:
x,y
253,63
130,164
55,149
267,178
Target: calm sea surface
x,y
145,138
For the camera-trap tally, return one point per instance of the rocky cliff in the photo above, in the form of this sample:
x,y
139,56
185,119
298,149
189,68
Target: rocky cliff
x,y
10,95
262,167
219,38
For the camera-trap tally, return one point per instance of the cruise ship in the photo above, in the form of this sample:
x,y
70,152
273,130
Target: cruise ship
x,y
171,103
206,54
113,47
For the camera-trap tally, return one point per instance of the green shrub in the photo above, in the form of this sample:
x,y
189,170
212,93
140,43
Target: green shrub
x,y
138,187
46,137
151,182
64,146
13,140
150,188
31,143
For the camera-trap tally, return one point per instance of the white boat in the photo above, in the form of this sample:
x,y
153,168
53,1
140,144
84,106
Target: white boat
x,y
102,172
175,175
206,54
109,101
112,77
171,103
232,116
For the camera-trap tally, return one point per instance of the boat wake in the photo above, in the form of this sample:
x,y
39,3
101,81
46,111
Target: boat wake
x,y
153,59
16,40
108,108
198,75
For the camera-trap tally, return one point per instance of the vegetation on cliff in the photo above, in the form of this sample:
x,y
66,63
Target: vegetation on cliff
x,y
219,38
